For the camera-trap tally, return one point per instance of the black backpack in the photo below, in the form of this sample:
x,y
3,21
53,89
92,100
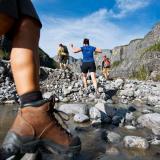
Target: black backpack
x,y
66,50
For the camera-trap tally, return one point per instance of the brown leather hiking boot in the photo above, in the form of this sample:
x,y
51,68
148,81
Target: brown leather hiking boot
x,y
37,127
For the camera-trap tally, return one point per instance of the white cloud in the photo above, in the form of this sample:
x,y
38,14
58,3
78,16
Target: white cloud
x,y
97,27
127,6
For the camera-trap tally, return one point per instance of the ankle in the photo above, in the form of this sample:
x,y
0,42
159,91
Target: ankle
x,y
34,98
40,108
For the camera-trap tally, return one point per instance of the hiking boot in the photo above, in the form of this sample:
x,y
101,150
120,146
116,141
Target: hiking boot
x,y
36,127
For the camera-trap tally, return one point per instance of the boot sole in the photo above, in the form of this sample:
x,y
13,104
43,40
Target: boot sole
x,y
16,145
69,153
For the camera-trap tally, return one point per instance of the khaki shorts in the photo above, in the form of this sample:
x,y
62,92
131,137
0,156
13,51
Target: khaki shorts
x,y
106,71
19,8
63,59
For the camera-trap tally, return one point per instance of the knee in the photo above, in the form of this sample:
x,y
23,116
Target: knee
x,y
26,34
6,23
84,75
29,26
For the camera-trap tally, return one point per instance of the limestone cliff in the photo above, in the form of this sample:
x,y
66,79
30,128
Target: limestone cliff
x,y
139,59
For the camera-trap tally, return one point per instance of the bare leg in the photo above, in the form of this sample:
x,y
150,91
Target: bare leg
x,y
34,122
84,77
108,73
105,75
105,72
24,56
61,66
93,76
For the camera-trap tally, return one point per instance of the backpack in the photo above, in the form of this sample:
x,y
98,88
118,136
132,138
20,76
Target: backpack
x,y
61,52
106,63
66,50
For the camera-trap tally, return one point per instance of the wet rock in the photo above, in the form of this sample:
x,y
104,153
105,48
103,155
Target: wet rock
x,y
9,102
131,109
129,117
116,120
98,114
113,137
151,121
29,156
74,108
109,101
146,111
101,107
106,119
112,151
127,93
80,118
124,101
119,83
129,127
47,95
94,113
100,90
96,122
153,100
135,142
92,96
66,91
155,141
65,99
2,70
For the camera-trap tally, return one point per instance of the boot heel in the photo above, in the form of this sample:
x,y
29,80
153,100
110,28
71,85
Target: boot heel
x,y
30,147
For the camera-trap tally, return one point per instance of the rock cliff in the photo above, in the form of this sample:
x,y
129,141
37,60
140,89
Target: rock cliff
x,y
139,59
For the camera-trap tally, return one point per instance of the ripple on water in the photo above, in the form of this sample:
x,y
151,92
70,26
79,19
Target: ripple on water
x,y
93,147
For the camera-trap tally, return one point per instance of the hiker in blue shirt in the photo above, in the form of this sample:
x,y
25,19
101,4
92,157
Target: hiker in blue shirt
x,y
88,62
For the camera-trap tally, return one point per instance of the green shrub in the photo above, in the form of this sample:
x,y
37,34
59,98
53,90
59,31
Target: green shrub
x,y
4,54
116,64
157,77
155,47
141,74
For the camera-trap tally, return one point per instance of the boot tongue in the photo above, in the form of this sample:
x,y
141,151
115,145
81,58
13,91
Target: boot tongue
x,y
58,115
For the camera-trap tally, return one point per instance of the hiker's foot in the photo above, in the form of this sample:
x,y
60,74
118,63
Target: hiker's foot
x,y
37,126
97,94
86,91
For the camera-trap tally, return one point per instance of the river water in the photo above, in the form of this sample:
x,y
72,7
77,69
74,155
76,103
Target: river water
x,y
93,146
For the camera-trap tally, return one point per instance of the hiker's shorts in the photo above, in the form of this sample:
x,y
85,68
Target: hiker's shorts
x,y
19,8
63,59
88,67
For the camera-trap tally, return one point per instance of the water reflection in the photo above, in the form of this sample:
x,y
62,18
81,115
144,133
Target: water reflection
x,y
93,147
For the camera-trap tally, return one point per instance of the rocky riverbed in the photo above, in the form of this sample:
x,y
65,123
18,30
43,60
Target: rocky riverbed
x,y
122,121
128,140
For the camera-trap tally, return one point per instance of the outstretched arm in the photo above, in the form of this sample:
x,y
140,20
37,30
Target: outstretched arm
x,y
98,50
74,49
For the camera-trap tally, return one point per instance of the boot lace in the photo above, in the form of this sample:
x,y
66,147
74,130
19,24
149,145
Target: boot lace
x,y
59,118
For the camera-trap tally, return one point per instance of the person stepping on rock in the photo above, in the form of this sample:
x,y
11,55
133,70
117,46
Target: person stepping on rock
x,y
35,124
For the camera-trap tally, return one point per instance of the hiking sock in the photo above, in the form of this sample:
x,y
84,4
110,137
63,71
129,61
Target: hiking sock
x,y
30,98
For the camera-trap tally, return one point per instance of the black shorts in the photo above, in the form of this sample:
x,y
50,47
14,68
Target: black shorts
x,y
88,67
63,59
19,8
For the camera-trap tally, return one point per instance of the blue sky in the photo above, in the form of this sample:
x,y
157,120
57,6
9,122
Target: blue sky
x,y
107,23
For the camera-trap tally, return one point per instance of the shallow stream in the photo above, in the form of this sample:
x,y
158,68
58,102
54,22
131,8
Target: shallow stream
x,y
93,146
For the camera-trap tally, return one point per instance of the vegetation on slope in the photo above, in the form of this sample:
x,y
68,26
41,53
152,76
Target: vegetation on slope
x,y
155,47
116,64
141,74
